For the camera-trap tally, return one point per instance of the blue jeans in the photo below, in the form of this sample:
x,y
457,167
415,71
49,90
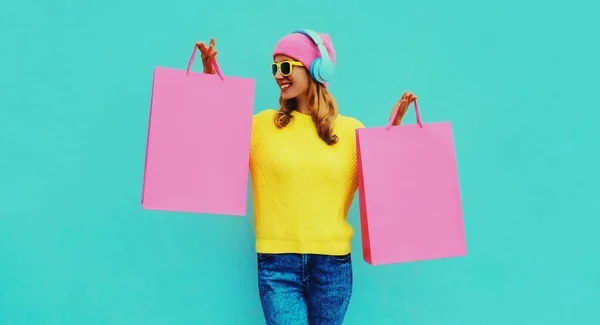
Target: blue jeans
x,y
304,289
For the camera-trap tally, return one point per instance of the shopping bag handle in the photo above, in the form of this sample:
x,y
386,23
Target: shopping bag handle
x,y
215,64
393,117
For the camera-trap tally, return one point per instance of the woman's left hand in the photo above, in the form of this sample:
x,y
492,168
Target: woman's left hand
x,y
402,105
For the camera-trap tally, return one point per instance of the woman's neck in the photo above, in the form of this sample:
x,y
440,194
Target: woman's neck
x,y
302,104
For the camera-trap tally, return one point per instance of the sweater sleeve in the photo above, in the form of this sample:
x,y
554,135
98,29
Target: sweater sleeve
x,y
358,124
259,121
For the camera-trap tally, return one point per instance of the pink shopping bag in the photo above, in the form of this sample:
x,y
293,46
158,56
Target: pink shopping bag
x,y
198,142
409,198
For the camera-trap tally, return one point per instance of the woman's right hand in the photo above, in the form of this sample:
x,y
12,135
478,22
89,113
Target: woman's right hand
x,y
208,55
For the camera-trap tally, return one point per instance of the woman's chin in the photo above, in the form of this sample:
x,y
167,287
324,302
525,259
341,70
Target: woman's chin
x,y
286,95
290,92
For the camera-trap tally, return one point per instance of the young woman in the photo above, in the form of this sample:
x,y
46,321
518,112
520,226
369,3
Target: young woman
x,y
304,177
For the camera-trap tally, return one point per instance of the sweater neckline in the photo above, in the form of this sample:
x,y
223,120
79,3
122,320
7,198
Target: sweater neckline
x,y
297,114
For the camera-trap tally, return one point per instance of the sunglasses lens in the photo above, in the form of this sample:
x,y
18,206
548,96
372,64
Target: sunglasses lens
x,y
274,69
286,68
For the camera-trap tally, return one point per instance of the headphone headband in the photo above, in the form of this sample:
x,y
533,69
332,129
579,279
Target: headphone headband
x,y
314,36
322,68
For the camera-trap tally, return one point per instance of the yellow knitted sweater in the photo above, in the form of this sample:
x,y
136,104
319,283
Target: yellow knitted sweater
x,y
301,187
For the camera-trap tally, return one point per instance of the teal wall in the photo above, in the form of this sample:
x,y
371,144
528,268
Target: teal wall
x,y
518,80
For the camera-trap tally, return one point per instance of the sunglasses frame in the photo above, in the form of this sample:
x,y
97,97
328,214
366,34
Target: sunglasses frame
x,y
292,65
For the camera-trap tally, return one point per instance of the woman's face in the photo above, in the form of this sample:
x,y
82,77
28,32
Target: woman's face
x,y
294,84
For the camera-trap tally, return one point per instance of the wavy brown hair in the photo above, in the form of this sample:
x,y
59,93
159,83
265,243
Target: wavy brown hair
x,y
323,108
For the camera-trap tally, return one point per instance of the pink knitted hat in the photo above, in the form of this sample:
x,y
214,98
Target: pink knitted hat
x,y
303,49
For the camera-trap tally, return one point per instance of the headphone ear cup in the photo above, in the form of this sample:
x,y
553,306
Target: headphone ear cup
x,y
315,70
326,69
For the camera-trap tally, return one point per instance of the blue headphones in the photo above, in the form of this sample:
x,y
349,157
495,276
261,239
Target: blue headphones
x,y
321,69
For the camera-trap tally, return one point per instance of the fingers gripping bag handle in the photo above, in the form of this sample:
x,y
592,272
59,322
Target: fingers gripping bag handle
x,y
214,61
397,109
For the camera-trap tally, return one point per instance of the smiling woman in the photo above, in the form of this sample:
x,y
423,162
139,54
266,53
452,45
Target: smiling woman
x,y
301,93
286,76
304,177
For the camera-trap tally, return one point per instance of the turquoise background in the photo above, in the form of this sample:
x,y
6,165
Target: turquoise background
x,y
518,80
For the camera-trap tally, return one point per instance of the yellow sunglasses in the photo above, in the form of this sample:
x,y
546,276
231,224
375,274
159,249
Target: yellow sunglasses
x,y
285,67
